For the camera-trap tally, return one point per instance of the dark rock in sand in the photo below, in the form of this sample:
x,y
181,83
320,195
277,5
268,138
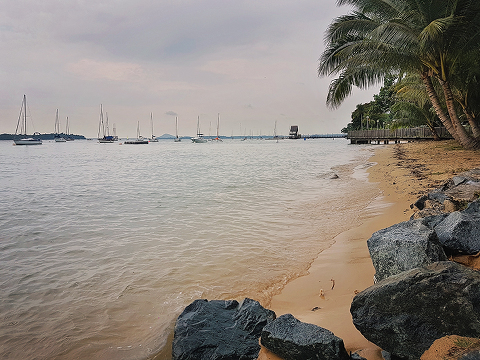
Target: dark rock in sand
x,y
220,330
459,232
402,247
404,314
292,339
420,203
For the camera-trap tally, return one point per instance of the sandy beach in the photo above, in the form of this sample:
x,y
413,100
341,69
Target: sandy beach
x,y
403,172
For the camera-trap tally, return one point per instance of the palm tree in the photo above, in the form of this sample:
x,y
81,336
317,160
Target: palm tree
x,y
383,37
413,106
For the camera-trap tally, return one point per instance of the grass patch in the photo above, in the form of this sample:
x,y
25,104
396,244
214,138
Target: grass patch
x,y
465,343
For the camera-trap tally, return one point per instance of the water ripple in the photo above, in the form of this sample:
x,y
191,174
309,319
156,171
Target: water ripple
x,y
102,246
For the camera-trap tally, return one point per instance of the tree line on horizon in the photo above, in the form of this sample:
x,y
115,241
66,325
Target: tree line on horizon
x,y
426,53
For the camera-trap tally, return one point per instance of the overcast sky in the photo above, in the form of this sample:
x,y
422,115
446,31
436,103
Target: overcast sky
x,y
253,62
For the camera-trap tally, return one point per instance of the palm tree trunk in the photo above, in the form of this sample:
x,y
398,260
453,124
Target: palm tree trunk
x,y
434,132
432,94
467,141
473,124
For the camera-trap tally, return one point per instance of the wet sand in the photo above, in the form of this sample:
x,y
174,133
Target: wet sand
x,y
403,173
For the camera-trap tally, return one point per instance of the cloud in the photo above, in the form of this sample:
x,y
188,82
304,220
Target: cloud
x,y
249,60
116,71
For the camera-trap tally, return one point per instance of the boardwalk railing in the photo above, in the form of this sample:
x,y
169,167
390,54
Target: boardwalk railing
x,y
386,135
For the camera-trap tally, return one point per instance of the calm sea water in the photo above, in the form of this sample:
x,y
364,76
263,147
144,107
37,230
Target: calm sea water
x,y
103,245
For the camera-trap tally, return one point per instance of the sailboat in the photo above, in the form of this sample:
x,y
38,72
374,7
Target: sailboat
x,y
275,136
153,139
218,126
177,139
199,138
103,128
57,137
139,140
67,132
22,128
115,137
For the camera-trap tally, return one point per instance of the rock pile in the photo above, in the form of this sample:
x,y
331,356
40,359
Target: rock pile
x,y
419,295
452,196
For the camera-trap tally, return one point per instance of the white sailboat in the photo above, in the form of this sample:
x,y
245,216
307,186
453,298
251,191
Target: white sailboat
x,y
21,130
153,139
218,126
199,138
69,137
139,140
103,130
177,139
57,137
275,136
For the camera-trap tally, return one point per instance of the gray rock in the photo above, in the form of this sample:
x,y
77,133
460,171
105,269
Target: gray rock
x,y
473,207
432,221
420,203
438,196
356,356
465,192
457,180
459,232
472,355
402,247
220,330
292,339
404,314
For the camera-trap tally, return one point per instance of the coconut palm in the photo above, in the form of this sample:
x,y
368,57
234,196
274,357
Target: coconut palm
x,y
404,36
413,106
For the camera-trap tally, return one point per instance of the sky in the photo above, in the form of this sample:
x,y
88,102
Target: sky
x,y
250,63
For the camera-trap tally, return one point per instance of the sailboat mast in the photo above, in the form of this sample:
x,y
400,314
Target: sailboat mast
x,y
106,124
151,120
100,124
176,127
218,123
57,125
25,115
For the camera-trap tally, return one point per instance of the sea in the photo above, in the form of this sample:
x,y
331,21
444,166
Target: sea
x,y
102,246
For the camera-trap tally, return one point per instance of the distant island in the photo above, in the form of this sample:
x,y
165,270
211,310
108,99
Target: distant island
x,y
41,136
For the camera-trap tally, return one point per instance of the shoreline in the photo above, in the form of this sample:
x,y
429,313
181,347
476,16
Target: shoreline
x,y
402,172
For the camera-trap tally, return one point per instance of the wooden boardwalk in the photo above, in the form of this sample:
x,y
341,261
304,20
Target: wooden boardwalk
x,y
386,136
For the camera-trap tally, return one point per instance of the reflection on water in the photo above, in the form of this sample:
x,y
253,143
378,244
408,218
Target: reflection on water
x,y
102,246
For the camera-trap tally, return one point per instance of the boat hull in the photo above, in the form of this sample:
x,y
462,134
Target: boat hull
x,y
29,141
135,142
199,140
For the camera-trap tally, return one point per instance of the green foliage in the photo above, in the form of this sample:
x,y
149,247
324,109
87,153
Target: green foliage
x,y
437,40
377,112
